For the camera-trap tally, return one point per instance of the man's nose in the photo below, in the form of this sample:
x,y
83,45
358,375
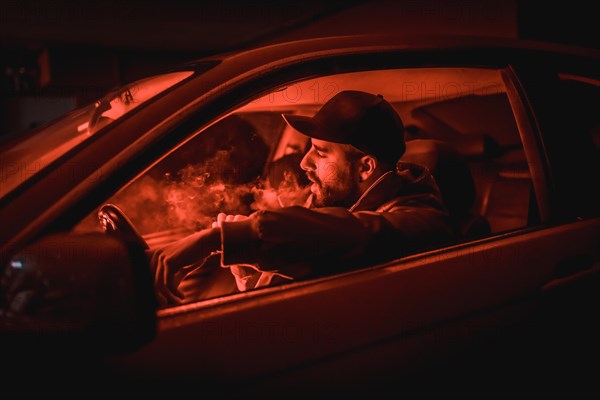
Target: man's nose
x,y
307,163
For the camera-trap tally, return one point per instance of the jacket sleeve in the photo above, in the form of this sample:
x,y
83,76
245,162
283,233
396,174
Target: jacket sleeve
x,y
273,237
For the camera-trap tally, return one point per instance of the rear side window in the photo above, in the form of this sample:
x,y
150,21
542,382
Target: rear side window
x,y
580,100
583,94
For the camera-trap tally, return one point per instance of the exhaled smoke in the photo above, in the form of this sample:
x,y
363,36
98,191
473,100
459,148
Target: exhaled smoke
x,y
193,198
288,193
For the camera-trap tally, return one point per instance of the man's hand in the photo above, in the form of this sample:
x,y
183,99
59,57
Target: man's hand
x,y
172,262
222,217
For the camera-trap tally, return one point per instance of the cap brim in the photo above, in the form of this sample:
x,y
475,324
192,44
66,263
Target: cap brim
x,y
305,125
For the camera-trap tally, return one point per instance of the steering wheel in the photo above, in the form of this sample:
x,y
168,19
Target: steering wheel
x,y
114,222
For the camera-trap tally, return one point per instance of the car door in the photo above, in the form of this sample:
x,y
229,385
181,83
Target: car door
x,y
352,330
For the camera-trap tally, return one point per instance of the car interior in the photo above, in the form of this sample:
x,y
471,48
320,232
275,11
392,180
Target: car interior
x,y
495,159
458,124
465,135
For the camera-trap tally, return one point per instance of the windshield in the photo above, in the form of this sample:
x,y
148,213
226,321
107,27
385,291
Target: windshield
x,y
23,158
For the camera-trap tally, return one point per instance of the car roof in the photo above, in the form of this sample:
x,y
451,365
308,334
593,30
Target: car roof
x,y
400,42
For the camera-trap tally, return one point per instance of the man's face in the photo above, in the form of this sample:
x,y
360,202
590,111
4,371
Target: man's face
x,y
332,171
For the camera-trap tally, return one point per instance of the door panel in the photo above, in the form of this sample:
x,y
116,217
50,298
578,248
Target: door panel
x,y
270,330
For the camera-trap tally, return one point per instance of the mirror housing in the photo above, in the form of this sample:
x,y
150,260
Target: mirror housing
x,y
81,293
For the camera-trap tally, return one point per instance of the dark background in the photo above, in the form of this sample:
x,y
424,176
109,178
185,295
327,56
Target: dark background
x,y
57,55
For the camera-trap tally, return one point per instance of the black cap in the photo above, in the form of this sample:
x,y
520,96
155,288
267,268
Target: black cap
x,y
366,121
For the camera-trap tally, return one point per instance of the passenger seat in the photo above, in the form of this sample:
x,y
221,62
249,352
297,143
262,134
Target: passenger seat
x,y
454,179
506,200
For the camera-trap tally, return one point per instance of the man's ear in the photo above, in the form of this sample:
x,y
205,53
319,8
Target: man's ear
x,y
366,167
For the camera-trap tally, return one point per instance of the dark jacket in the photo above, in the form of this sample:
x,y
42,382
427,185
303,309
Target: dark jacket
x,y
400,213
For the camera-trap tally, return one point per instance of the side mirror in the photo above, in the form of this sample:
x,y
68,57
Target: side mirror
x,y
82,293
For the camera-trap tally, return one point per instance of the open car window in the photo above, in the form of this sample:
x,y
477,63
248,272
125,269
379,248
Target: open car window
x,y
458,124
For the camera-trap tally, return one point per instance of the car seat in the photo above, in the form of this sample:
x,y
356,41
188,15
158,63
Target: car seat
x,y
453,177
507,199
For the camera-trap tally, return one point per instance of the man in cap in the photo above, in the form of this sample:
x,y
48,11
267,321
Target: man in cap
x,y
365,207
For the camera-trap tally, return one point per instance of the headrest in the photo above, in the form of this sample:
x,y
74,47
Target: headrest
x,y
450,170
472,146
478,146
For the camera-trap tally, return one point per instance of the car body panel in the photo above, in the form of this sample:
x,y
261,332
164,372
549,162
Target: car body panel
x,y
333,317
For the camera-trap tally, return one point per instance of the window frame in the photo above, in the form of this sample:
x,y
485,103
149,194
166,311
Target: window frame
x,y
527,131
538,77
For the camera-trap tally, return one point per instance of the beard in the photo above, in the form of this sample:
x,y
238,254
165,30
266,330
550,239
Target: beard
x,y
339,192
